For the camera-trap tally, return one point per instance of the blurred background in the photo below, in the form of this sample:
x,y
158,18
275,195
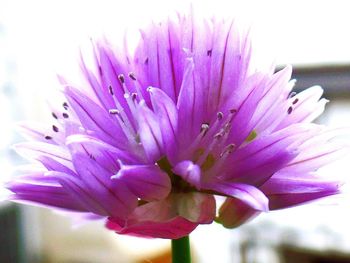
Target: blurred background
x,y
39,39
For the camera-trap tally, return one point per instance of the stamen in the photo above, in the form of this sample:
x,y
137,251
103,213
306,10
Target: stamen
x,y
128,133
137,85
223,156
227,127
65,105
228,149
55,128
110,89
121,78
290,109
132,76
295,101
222,131
118,114
131,103
203,131
48,137
121,113
91,156
54,115
219,135
133,96
292,94
122,82
127,96
211,146
114,111
215,126
65,115
204,128
220,115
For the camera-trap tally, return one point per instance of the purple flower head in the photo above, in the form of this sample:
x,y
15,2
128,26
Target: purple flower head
x,y
150,139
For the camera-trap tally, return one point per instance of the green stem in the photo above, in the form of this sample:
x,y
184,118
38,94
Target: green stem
x,y
181,252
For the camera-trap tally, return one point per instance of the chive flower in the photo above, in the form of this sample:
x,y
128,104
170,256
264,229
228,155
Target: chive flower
x,y
183,131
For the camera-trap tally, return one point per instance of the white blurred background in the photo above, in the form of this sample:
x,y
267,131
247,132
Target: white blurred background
x,y
39,39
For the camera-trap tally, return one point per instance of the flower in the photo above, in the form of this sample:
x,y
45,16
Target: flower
x,y
149,140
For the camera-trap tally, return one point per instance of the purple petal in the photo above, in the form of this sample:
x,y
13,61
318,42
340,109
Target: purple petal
x,y
296,184
306,109
186,106
281,201
99,149
117,200
167,117
310,160
269,108
191,106
54,165
150,133
219,54
190,172
258,160
38,132
76,188
100,92
229,65
241,122
37,150
161,55
147,182
95,119
156,57
42,190
248,194
72,127
111,65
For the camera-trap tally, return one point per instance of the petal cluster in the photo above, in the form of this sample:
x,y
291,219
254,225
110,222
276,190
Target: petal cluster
x,y
150,139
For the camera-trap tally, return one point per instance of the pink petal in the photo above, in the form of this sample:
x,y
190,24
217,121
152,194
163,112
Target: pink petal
x,y
173,229
196,207
147,182
234,213
154,220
